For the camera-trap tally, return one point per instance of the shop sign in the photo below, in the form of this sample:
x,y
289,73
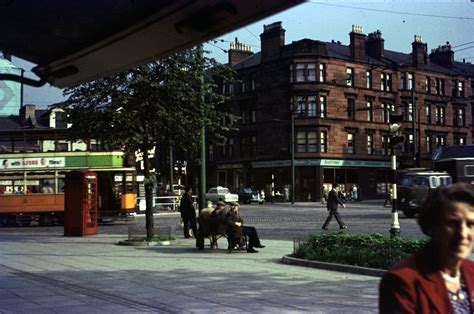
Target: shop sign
x,y
230,166
32,163
323,163
271,164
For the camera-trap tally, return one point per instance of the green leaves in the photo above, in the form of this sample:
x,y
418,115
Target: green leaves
x,y
151,105
365,250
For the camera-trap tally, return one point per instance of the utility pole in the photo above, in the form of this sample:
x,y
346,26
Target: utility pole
x,y
416,159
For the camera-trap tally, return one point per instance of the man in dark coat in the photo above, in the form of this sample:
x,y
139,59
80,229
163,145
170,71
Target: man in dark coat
x,y
236,229
332,204
188,213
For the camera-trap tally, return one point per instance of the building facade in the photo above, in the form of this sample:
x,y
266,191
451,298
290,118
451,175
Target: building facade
x,y
329,103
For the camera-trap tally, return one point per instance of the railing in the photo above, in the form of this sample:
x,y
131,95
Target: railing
x,y
170,203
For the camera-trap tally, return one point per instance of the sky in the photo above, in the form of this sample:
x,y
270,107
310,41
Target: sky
x,y
437,22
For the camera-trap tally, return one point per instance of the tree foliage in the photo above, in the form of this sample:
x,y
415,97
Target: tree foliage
x,y
154,104
163,103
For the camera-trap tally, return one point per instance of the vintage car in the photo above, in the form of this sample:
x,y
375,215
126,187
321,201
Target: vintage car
x,y
249,195
220,193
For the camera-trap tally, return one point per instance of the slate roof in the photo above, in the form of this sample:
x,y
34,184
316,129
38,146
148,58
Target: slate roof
x,y
390,58
455,151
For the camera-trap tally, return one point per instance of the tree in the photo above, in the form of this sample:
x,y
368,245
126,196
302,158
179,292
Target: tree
x,y
163,103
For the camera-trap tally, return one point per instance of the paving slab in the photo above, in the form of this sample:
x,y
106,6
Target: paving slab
x,y
57,274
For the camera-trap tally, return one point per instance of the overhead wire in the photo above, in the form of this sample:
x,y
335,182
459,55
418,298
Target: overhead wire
x,y
390,11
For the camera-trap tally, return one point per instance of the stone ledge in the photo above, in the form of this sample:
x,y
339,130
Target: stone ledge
x,y
287,259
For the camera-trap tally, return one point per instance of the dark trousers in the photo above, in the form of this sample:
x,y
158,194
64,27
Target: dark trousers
x,y
251,233
189,222
335,213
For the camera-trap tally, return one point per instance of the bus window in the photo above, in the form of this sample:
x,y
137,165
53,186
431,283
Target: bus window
x,y
406,181
445,180
61,184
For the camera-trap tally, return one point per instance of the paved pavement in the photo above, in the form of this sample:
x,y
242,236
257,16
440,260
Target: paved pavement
x,y
49,273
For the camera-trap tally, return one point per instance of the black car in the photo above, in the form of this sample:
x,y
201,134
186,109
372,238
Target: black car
x,y
248,195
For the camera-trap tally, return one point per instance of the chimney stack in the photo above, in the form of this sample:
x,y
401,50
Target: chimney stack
x,y
419,51
374,45
443,55
271,40
357,44
238,52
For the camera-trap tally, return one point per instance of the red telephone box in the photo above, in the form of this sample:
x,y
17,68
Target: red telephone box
x,y
80,203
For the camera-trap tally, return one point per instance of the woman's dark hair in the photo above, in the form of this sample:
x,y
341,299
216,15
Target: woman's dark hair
x,y
439,201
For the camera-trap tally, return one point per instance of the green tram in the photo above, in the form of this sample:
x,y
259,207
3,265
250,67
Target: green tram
x,y
32,185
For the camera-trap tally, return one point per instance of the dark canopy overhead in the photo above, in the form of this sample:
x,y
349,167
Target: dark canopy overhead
x,y
75,41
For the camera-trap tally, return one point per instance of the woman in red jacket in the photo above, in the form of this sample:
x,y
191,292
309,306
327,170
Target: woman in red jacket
x,y
440,277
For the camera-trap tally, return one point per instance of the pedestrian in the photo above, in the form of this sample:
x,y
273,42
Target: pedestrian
x,y
388,198
236,229
439,278
324,195
332,204
188,213
355,193
286,194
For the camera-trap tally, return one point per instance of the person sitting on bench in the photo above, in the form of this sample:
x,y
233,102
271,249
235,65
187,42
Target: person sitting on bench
x,y
236,229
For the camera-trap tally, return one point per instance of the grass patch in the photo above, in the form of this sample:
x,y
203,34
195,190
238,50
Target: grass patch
x,y
365,250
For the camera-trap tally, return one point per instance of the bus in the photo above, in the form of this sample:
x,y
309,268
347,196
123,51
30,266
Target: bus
x,y
32,185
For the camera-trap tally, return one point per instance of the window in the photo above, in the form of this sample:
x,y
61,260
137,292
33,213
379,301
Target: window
x,y
350,76
454,88
428,113
254,116
224,148
322,72
211,152
304,72
428,85
300,106
386,109
460,88
459,140
408,143
291,73
370,144
311,106
408,111
351,109
428,144
252,84
231,148
385,145
440,140
323,139
351,143
370,111
458,116
254,146
300,77
403,80
306,141
440,117
311,67
368,79
322,107
439,86
231,88
386,82
411,81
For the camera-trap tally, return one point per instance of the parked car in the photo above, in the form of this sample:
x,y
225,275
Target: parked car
x,y
248,195
220,193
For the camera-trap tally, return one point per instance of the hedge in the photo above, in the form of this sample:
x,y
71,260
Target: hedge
x,y
365,250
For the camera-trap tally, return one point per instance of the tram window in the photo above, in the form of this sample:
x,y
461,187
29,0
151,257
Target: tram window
x,y
47,186
445,180
434,182
61,184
